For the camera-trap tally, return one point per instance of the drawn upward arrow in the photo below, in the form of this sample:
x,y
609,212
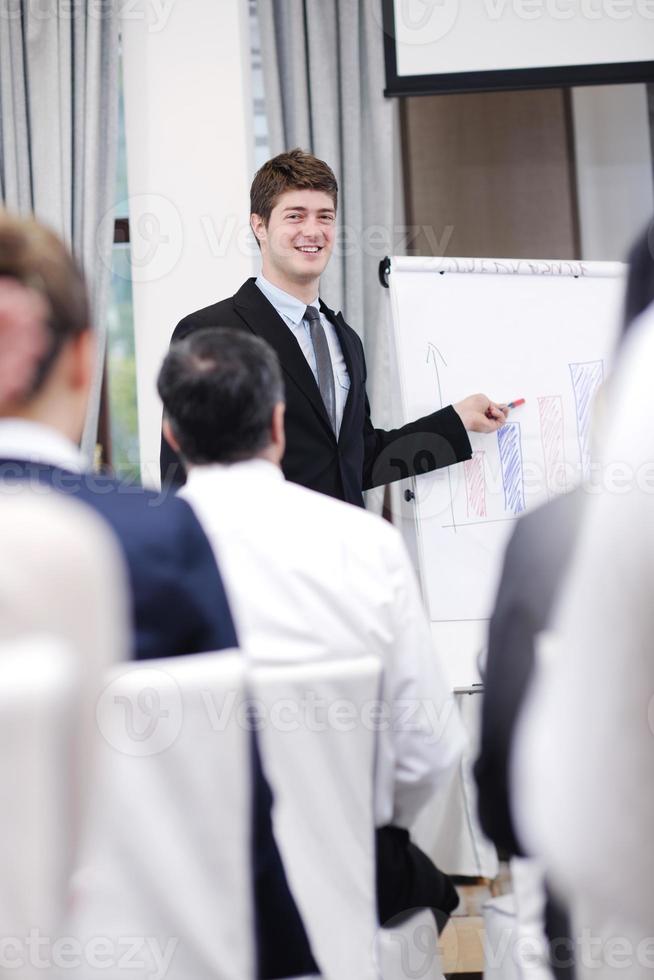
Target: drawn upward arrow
x,y
433,354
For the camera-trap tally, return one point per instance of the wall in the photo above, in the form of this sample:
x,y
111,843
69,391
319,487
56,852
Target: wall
x,y
490,174
614,168
188,114
537,174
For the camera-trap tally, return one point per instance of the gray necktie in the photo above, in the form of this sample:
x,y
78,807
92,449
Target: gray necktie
x,y
323,362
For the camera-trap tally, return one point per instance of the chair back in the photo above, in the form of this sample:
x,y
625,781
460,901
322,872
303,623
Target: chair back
x,y
39,695
168,857
317,744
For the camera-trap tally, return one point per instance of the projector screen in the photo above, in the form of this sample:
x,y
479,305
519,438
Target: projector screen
x,y
475,45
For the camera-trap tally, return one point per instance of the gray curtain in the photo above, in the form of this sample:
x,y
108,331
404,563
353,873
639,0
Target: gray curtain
x,y
323,63
58,136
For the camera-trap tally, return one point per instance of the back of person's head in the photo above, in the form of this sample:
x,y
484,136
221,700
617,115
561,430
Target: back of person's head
x,y
640,277
294,170
220,388
43,306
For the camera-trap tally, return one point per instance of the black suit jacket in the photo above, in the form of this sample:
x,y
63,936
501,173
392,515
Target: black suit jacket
x,y
177,596
363,456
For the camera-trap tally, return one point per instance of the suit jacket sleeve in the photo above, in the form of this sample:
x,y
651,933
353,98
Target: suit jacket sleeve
x,y
204,589
534,564
509,666
181,605
429,443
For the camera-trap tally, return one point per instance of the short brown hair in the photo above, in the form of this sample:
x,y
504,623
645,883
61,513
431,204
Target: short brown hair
x,y
34,256
295,170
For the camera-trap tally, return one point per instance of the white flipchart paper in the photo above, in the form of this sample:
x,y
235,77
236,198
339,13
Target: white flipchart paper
x,y
542,331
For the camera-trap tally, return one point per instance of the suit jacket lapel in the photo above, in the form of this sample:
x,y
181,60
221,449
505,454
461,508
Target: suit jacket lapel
x,y
263,319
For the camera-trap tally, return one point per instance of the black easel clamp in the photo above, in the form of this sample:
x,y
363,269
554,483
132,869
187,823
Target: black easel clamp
x,y
384,271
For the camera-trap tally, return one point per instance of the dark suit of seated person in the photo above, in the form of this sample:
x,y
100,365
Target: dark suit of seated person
x,y
178,600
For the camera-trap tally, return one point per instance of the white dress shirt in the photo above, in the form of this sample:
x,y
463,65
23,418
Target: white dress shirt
x,y
292,312
311,578
584,757
37,443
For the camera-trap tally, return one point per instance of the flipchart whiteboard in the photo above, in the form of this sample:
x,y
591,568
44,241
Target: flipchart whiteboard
x,y
543,331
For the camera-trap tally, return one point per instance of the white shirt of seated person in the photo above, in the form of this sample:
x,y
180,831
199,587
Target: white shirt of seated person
x,y
309,577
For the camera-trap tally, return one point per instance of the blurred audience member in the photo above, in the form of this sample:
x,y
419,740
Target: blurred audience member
x,y
640,276
584,748
535,563
536,557
46,364
584,795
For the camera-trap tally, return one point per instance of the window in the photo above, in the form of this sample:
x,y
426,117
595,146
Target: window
x,y
121,449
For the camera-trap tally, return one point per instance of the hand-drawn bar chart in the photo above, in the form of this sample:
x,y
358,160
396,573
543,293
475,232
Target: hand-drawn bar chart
x,y
586,379
540,332
510,449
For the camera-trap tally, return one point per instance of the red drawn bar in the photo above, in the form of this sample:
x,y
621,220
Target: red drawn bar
x,y
475,485
550,410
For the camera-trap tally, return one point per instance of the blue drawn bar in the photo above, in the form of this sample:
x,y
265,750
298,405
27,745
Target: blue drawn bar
x,y
586,379
508,442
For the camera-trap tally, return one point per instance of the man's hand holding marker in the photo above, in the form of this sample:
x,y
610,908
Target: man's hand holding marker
x,y
479,414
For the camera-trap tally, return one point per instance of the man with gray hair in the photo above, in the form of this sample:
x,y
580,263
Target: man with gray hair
x,y
309,577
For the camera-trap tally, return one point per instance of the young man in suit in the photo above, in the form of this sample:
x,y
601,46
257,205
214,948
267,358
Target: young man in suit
x,y
46,358
331,443
310,578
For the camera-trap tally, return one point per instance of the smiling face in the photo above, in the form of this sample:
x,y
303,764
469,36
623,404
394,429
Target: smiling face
x,y
297,241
